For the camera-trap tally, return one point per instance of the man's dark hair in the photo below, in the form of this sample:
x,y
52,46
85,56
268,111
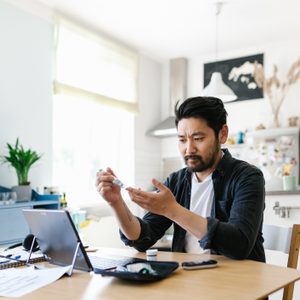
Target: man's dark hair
x,y
210,109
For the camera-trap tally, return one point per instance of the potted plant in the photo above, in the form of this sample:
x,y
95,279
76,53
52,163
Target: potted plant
x,y
22,160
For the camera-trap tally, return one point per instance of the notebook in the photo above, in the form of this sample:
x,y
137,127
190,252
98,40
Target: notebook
x,y
18,259
58,239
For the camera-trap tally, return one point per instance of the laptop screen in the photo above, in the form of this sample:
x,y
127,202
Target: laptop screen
x,y
57,237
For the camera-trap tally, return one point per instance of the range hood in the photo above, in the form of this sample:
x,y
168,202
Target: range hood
x,y
178,88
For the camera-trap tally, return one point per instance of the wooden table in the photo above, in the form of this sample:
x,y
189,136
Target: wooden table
x,y
232,279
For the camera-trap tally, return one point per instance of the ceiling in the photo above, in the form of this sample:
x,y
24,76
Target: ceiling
x,y
164,29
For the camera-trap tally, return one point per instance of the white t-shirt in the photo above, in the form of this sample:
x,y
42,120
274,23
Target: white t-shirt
x,y
202,195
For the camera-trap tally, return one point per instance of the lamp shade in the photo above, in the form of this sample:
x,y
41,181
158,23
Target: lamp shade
x,y
217,88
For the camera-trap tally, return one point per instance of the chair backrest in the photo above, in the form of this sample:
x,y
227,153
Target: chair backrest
x,y
277,238
286,240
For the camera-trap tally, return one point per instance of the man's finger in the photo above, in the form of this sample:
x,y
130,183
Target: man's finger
x,y
140,201
158,184
109,170
136,192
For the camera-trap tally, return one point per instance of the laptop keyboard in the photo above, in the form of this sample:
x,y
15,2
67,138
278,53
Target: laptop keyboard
x,y
104,263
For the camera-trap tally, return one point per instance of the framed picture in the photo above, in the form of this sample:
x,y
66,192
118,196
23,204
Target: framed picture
x,y
238,74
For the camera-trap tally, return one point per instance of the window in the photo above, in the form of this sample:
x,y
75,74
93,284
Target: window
x,y
93,120
89,136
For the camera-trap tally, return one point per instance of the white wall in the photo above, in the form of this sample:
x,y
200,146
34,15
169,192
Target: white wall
x,y
244,115
25,90
247,114
147,149
26,63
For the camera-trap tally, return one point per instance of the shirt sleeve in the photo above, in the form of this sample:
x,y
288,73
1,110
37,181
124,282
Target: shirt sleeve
x,y
236,237
153,227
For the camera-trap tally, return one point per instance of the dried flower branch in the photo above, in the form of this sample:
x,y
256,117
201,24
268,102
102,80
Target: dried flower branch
x,y
275,89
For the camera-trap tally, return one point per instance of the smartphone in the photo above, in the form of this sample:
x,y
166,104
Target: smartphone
x,y
199,264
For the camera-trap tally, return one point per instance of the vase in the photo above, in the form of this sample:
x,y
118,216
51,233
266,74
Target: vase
x,y
24,192
275,119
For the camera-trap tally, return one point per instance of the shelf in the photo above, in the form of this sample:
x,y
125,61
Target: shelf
x,y
273,132
279,193
234,146
30,203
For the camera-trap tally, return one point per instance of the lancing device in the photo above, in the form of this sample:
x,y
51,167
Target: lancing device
x,y
116,181
119,183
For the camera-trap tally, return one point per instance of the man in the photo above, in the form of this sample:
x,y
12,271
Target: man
x,y
215,203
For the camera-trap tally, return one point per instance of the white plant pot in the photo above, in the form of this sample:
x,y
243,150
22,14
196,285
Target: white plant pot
x,y
24,192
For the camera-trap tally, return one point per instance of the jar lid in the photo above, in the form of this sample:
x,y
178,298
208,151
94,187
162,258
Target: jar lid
x,y
151,252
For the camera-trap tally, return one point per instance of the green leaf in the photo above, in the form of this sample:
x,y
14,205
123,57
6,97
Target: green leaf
x,y
21,160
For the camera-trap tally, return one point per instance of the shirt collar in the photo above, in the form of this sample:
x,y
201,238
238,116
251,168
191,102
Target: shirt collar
x,y
224,162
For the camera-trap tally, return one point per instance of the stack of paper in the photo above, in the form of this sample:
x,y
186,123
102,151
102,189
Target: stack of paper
x,y
17,282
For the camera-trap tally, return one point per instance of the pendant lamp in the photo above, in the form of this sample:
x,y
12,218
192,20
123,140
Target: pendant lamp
x,y
217,87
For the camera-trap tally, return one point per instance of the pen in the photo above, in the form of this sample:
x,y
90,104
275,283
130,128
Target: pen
x,y
6,260
16,258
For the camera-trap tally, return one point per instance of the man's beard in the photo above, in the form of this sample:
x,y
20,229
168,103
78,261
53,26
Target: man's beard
x,y
202,165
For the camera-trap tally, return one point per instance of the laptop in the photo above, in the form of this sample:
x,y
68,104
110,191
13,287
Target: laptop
x,y
59,240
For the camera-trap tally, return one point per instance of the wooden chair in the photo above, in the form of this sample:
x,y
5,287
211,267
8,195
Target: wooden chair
x,y
286,240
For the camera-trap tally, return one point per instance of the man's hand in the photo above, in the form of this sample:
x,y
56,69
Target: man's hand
x,y
161,203
109,191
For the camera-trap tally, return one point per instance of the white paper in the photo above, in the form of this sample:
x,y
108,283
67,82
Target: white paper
x,y
17,282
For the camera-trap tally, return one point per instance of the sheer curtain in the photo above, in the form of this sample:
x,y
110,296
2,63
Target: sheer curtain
x,y
93,112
